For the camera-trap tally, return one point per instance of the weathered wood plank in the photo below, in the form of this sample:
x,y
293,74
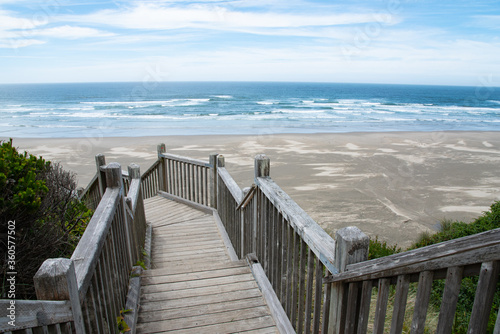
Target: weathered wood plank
x,y
155,288
34,313
398,314
483,300
364,310
450,299
199,300
195,285
180,313
422,302
381,307
477,248
172,294
206,319
195,276
320,242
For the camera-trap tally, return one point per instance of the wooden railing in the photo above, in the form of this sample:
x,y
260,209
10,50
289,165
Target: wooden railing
x,y
229,197
326,286
94,191
295,253
86,293
475,255
322,285
151,180
185,178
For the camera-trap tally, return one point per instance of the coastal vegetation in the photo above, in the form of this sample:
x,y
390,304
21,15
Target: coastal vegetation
x,y
38,200
450,230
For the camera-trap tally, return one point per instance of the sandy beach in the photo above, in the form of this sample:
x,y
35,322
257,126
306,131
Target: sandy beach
x,y
390,185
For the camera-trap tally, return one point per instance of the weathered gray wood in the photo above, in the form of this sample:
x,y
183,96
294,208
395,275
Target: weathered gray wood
x,y
185,160
450,299
227,242
114,175
282,322
483,300
364,310
381,307
398,314
351,247
213,179
181,200
100,161
231,185
496,330
309,290
262,166
481,247
56,280
318,296
320,242
422,302
198,295
89,248
161,149
34,313
133,297
326,308
352,318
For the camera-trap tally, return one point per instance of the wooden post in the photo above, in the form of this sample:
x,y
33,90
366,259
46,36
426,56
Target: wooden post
x,y
56,280
100,161
221,163
161,149
134,171
262,166
213,180
114,175
351,246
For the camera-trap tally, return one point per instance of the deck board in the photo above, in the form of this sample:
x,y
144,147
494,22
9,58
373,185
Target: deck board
x,y
193,286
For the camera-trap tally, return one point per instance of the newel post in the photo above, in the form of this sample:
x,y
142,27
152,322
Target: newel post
x,y
134,171
213,179
351,246
56,280
100,161
162,180
262,166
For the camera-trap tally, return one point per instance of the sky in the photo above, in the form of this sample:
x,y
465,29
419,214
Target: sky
x,y
438,42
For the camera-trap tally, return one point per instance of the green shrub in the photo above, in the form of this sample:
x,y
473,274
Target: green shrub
x,y
49,219
21,190
380,249
452,230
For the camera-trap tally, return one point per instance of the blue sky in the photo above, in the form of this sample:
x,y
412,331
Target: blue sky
x,y
392,41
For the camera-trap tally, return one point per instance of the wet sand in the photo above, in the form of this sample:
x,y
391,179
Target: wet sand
x,y
390,185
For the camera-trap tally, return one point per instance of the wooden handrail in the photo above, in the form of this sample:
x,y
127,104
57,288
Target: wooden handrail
x,y
89,248
468,250
316,238
187,160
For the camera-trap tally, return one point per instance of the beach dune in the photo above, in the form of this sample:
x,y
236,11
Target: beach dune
x,y
391,185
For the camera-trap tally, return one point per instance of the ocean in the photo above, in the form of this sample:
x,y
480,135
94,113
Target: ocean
x,y
205,108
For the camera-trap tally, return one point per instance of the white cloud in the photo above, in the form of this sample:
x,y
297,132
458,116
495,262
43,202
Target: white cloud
x,y
10,22
70,32
19,43
149,16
